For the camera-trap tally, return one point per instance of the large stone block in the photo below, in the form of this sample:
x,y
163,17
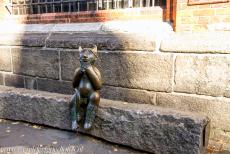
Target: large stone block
x,y
36,62
63,87
104,41
1,79
138,70
141,126
31,83
5,60
14,80
217,109
206,42
24,39
128,95
208,75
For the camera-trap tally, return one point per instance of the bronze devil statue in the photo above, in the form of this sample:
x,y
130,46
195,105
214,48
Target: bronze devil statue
x,y
87,82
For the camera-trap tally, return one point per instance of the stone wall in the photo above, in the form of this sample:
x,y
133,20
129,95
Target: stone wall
x,y
182,73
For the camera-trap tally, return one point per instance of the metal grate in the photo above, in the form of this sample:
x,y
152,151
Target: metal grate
x,y
19,7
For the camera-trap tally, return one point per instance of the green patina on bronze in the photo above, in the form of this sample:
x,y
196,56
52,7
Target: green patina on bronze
x,y
87,82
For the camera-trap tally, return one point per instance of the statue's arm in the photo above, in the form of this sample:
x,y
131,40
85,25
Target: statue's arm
x,y
77,77
94,76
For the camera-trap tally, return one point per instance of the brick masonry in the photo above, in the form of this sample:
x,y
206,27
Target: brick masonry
x,y
153,13
201,16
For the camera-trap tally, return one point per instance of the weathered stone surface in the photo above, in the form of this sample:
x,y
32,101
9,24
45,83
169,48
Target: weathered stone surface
x,y
108,41
14,80
211,42
139,70
77,27
5,60
220,139
217,109
24,39
69,62
225,148
208,75
128,95
30,83
220,135
140,126
36,62
63,87
1,79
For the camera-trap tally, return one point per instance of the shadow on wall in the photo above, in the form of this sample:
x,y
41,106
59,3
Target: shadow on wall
x,y
44,57
46,61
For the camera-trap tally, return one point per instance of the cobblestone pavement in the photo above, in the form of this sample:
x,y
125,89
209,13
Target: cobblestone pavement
x,y
18,137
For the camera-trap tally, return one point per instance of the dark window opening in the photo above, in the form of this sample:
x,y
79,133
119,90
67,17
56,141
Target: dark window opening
x,y
53,6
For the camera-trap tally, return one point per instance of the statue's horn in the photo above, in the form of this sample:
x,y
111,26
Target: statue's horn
x,y
94,50
80,49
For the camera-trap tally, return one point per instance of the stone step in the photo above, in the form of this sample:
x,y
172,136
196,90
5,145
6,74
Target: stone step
x,y
141,126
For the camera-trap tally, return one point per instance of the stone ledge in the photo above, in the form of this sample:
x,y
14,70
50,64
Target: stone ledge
x,y
104,41
140,126
70,40
21,39
212,42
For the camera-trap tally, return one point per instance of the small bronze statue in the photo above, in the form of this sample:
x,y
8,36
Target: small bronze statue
x,y
87,82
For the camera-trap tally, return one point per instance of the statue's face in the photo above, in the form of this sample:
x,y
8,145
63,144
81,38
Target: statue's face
x,y
87,55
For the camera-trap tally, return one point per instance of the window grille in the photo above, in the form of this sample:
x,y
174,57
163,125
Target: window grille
x,y
19,7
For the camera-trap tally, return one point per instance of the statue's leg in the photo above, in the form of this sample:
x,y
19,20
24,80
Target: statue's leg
x,y
91,109
75,109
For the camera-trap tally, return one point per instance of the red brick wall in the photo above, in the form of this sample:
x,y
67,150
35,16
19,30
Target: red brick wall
x,y
87,16
153,13
199,15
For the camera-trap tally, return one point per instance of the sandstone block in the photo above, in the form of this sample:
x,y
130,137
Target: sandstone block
x,y
1,79
14,80
36,62
30,83
206,42
104,41
140,126
136,70
5,60
207,75
217,109
63,87
25,39
128,95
